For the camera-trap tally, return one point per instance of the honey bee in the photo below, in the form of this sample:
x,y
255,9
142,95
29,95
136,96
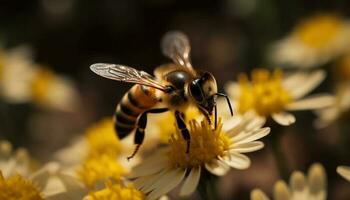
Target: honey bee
x,y
174,87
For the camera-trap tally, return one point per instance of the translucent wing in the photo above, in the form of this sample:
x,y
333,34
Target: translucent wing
x,y
126,74
176,46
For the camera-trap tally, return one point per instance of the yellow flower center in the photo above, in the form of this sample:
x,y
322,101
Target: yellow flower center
x,y
99,169
41,83
319,31
16,187
264,94
206,144
117,191
102,139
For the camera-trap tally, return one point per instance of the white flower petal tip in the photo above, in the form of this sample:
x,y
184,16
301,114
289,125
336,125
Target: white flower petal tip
x,y
217,167
236,160
344,171
191,182
166,183
316,102
257,194
284,118
309,83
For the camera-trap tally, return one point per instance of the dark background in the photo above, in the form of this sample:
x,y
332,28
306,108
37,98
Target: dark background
x,y
227,37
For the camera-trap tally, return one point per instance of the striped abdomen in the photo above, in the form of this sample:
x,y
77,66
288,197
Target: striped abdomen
x,y
137,100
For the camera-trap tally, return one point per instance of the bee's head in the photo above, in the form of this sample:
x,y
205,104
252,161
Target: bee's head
x,y
203,91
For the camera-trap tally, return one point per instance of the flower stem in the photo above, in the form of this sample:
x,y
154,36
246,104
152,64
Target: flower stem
x,y
207,187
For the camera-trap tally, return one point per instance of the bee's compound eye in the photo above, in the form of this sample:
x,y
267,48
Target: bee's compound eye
x,y
196,91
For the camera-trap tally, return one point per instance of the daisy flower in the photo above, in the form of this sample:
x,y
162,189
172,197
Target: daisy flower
x,y
215,150
98,155
19,181
52,91
314,187
307,46
344,171
272,94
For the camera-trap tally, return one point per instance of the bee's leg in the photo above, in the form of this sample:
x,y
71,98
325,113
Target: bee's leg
x,y
184,131
141,126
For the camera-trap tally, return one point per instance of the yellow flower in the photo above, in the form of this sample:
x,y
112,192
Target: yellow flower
x,y
53,91
215,150
16,187
307,46
344,171
98,169
272,94
116,191
301,188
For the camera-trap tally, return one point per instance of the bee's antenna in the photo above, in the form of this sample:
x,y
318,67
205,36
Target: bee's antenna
x,y
228,101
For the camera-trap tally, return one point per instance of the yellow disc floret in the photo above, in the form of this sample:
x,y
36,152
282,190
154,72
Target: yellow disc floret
x,y
102,139
99,169
319,31
16,187
206,144
264,94
116,191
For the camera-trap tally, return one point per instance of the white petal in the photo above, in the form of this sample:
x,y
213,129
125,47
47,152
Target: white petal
x,y
293,80
344,172
236,160
251,136
283,118
146,184
217,167
191,182
166,183
312,81
150,165
257,194
315,102
247,147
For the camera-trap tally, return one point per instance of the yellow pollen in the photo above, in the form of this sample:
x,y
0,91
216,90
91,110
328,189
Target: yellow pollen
x,y
41,84
102,139
16,187
206,144
264,94
117,191
167,122
99,169
319,31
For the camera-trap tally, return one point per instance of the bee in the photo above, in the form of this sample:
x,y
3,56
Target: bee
x,y
174,87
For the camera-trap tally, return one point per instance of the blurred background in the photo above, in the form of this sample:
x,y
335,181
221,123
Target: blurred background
x,y
64,37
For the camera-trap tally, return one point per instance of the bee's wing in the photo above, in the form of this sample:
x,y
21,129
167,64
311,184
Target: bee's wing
x,y
126,74
176,46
